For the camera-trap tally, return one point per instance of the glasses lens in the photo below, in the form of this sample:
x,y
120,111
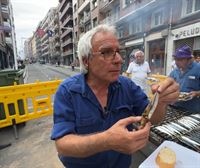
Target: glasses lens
x,y
108,54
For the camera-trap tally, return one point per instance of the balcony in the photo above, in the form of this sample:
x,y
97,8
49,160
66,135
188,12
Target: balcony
x,y
69,6
8,40
66,32
7,24
5,2
45,48
57,44
67,20
87,17
110,20
5,28
105,5
5,11
57,53
66,53
65,43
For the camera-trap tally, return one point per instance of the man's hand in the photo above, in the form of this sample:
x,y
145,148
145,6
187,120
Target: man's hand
x,y
168,91
195,93
120,139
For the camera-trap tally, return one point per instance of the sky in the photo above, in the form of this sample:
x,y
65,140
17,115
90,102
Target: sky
x,y
27,15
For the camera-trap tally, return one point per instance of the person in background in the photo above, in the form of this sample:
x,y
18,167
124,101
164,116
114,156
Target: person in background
x,y
73,66
94,110
173,65
187,74
139,70
197,58
58,62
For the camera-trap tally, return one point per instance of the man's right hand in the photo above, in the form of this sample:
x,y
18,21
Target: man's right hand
x,y
120,139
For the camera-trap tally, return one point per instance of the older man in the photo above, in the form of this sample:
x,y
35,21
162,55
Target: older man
x,y
94,110
187,74
139,70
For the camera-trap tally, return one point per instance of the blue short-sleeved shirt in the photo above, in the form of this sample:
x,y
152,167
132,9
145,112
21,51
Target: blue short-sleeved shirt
x,y
77,110
188,81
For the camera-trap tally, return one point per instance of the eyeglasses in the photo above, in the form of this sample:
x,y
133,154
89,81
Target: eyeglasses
x,y
109,54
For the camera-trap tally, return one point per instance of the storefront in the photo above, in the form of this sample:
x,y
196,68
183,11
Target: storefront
x,y
131,48
189,35
157,56
155,49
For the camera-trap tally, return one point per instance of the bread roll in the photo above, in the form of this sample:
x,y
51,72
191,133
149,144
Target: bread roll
x,y
166,158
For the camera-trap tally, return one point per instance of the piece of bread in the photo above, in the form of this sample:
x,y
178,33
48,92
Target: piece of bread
x,y
166,158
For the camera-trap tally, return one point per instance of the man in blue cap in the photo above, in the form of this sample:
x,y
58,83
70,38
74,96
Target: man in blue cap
x,y
187,74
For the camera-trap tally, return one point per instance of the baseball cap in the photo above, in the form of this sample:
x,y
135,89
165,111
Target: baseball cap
x,y
183,52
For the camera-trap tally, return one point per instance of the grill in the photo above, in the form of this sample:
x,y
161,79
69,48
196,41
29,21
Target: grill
x,y
179,126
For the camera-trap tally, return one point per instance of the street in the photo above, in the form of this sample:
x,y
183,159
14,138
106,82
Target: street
x,y
34,149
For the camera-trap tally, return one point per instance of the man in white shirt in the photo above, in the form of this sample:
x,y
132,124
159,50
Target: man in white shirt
x,y
139,70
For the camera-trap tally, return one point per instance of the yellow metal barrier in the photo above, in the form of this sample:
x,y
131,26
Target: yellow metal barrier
x,y
155,78
20,103
152,79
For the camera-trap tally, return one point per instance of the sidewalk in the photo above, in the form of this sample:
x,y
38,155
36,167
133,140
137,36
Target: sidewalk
x,y
64,69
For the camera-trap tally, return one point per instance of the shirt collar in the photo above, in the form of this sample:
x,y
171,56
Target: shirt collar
x,y
190,66
80,86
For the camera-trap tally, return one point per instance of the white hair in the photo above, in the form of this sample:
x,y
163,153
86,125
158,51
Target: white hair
x,y
85,43
139,52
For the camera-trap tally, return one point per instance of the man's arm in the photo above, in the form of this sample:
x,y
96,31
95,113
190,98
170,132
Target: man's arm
x,y
116,138
195,93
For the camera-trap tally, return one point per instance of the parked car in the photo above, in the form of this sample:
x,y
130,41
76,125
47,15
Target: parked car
x,y
42,61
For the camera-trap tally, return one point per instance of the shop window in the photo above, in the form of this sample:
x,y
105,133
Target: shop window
x,y
190,7
157,56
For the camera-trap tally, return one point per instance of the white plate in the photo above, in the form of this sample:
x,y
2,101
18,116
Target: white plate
x,y
185,158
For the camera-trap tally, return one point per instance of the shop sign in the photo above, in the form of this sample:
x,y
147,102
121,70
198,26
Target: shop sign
x,y
187,31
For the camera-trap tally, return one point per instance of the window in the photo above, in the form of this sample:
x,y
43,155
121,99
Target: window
x,y
197,5
75,8
94,4
136,26
157,18
76,22
120,32
190,6
95,23
126,3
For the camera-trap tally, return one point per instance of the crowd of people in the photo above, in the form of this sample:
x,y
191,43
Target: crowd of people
x,y
185,71
94,111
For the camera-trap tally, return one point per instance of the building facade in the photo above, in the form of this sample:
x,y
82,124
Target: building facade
x,y
157,27
44,45
8,50
66,31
